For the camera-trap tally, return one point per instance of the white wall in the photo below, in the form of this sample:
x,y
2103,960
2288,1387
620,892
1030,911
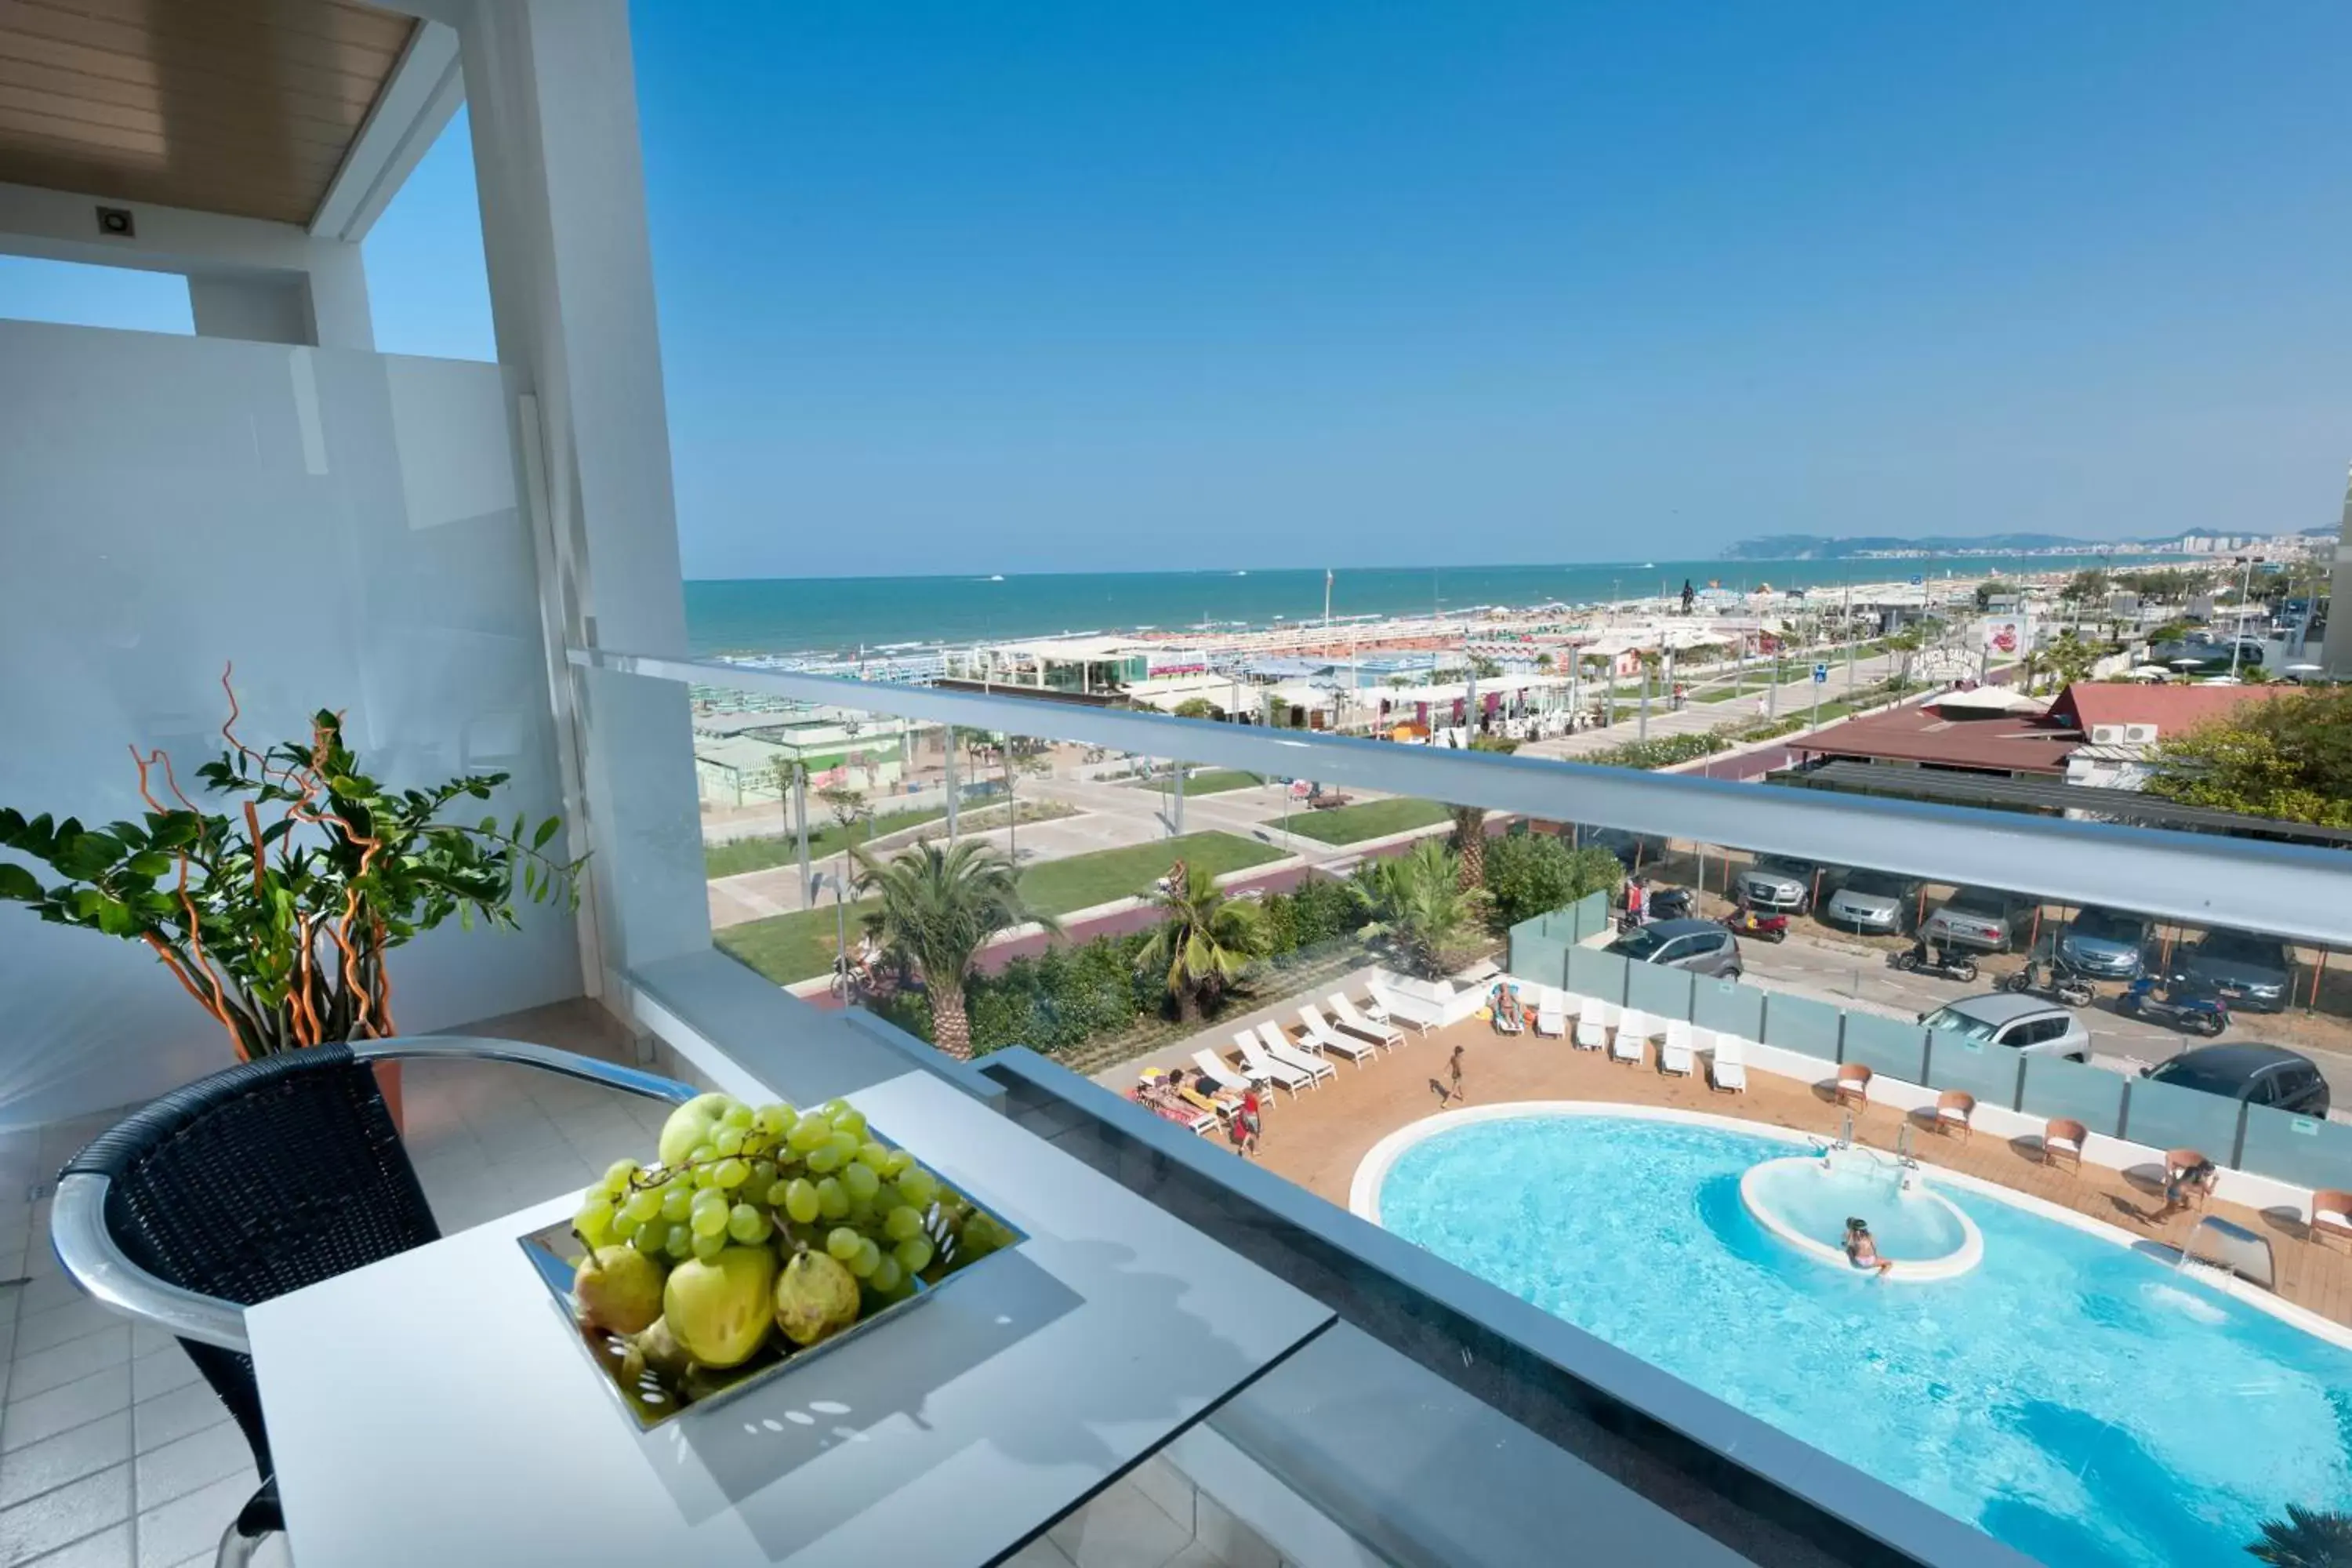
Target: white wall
x,y
344,527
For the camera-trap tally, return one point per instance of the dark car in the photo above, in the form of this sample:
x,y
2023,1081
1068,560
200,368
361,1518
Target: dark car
x,y
1701,946
1632,849
2255,1073
2253,973
2104,944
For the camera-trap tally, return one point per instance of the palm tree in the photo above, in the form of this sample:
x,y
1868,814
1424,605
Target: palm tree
x,y
1470,821
1418,902
1903,645
1204,939
2305,1538
940,907
2069,659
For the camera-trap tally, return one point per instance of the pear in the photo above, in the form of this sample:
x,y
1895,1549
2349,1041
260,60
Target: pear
x,y
719,1310
661,1353
815,1298
690,1124
618,1289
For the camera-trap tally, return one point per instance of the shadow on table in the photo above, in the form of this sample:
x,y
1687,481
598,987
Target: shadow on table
x,y
863,1394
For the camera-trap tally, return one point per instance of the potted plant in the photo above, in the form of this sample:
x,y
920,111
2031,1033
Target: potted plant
x,y
276,913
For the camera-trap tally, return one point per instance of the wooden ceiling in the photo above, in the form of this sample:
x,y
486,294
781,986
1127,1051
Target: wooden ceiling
x,y
245,106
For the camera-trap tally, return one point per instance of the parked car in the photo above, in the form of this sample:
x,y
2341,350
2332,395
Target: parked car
x,y
2030,1025
1777,884
1701,947
1873,902
2249,1070
1985,919
1631,848
2104,944
2254,973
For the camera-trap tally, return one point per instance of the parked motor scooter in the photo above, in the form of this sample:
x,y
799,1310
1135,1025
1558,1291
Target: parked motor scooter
x,y
1927,958
1745,921
1657,904
2058,979
2183,1003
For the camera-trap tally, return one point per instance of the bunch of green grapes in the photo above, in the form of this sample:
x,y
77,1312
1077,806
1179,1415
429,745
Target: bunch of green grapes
x,y
791,1178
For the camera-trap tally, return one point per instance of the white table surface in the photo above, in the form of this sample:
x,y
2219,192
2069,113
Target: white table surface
x,y
434,1408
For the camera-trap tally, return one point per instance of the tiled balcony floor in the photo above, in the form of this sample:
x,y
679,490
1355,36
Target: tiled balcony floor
x,y
114,1452
1319,1137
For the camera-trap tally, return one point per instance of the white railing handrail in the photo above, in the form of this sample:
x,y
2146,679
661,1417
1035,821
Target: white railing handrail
x,y
2294,891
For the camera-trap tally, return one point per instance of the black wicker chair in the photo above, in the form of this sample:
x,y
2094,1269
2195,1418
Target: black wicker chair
x,y
254,1183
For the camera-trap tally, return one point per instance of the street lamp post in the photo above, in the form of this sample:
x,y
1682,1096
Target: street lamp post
x,y
2246,592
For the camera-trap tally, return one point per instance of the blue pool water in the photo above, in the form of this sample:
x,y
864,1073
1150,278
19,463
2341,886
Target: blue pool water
x,y
2073,1398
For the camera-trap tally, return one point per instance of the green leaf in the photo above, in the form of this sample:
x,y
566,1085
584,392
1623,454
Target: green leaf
x,y
546,831
18,883
149,863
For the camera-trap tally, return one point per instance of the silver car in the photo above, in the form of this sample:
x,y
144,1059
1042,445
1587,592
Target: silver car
x,y
1778,885
1985,919
2030,1024
2106,944
1701,947
1873,902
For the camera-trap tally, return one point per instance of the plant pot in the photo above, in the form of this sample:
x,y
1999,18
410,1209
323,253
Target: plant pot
x,y
387,1083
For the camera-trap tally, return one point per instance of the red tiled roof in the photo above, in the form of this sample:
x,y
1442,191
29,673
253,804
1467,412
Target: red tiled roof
x,y
2009,743
2172,709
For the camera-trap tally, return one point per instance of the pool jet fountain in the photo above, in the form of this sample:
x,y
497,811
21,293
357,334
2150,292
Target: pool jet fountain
x,y
1806,1200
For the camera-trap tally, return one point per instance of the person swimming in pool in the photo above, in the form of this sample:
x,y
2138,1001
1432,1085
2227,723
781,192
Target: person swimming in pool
x,y
1862,1249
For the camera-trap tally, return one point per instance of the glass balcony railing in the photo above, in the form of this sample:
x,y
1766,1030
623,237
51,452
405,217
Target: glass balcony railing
x,y
2013,1007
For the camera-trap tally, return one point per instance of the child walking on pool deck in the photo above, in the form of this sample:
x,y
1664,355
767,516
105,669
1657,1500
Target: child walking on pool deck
x,y
1453,1072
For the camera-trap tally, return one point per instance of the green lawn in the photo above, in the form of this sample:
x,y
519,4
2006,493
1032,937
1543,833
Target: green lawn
x,y
824,838
800,946
1217,780
787,947
1371,819
1081,881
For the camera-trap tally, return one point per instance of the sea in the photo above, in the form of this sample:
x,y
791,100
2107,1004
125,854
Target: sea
x,y
835,618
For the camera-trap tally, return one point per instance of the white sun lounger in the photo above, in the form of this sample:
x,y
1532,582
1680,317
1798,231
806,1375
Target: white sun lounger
x,y
1551,1013
1265,1068
1632,1034
1323,1036
1380,1029
1384,1008
1220,1074
1279,1047
1675,1055
1591,1034
1728,1068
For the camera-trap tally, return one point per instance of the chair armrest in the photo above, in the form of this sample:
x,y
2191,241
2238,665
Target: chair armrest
x,y
87,1251
522,1053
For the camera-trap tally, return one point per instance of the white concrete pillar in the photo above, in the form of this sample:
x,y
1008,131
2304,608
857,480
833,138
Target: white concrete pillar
x,y
553,98
268,283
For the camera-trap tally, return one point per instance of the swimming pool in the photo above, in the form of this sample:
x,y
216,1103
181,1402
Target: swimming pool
x,y
2076,1399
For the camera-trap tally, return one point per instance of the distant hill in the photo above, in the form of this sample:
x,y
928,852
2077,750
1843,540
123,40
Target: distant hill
x,y
1821,547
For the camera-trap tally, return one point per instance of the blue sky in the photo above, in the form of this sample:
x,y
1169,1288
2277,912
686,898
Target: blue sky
x,y
946,287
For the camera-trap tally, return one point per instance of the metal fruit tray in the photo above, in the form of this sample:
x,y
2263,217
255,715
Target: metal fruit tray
x,y
651,1401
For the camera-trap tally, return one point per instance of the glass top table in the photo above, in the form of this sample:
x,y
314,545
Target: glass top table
x,y
436,1404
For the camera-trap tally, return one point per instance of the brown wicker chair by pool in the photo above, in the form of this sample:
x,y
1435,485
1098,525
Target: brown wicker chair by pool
x,y
1953,1107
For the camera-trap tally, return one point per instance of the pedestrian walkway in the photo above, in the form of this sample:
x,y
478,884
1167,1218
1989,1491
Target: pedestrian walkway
x,y
1794,697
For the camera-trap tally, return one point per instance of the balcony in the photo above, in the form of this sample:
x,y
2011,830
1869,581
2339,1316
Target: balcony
x,y
1338,1352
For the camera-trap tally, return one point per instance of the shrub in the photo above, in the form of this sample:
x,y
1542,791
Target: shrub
x,y
1530,874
